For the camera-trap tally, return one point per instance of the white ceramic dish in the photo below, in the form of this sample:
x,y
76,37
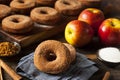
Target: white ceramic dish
x,y
109,55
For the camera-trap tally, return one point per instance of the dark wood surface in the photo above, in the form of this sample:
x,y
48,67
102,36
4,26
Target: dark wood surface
x,y
12,61
111,9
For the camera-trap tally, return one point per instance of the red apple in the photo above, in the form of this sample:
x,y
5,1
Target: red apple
x,y
78,33
93,17
109,32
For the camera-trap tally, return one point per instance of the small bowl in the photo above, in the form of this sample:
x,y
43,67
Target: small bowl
x,y
109,56
17,45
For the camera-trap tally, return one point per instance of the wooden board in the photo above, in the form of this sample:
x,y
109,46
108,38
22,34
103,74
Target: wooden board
x,y
39,32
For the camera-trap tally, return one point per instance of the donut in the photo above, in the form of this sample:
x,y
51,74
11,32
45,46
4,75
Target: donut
x,y
45,15
45,2
4,11
17,24
22,6
72,51
68,7
60,53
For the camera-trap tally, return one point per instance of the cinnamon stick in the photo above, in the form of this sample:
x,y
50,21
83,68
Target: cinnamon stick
x,y
1,77
106,76
10,71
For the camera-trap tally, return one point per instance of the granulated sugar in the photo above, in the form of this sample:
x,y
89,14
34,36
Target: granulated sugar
x,y
110,54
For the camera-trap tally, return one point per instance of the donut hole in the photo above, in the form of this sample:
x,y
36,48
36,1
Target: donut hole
x,y
21,1
66,3
50,56
15,20
43,12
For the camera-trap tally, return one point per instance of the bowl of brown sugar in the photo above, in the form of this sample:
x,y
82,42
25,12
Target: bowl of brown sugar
x,y
9,48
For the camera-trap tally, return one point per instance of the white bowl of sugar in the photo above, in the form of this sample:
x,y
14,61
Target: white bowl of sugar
x,y
109,55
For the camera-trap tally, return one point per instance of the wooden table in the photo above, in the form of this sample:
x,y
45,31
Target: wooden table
x,y
90,53
90,50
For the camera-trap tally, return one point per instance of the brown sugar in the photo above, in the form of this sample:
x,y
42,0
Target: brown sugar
x,y
7,49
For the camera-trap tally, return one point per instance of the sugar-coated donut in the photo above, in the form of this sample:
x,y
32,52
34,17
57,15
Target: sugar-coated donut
x,y
72,51
22,6
45,15
4,11
59,53
17,24
68,7
45,2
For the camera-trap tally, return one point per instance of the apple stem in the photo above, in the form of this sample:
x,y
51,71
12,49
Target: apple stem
x,y
70,32
112,23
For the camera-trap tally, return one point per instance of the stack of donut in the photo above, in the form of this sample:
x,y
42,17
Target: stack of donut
x,y
53,56
24,13
49,15
47,12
